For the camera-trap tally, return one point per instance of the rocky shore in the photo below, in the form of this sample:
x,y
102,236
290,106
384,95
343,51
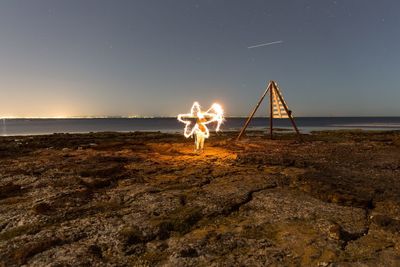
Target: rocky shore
x,y
146,199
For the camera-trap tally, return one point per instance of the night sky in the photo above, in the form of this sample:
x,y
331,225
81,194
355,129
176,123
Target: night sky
x,y
154,58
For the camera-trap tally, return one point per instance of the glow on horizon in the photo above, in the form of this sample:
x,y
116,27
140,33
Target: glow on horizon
x,y
77,117
35,117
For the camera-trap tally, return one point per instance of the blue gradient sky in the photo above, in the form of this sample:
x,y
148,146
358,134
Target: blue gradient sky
x,y
147,57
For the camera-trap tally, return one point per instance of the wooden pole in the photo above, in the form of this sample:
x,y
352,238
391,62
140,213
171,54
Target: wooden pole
x,y
287,110
271,111
253,112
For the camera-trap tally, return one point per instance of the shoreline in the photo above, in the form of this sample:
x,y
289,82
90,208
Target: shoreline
x,y
172,125
278,130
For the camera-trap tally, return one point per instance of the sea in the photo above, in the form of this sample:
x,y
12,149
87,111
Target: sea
x,y
15,127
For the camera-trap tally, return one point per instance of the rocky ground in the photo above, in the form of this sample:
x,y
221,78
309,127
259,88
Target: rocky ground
x,y
145,199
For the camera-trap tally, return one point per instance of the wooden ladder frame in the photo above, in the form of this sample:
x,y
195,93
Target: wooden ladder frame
x,y
271,88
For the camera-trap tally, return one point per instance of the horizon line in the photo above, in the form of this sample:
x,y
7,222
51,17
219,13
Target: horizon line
x,y
169,117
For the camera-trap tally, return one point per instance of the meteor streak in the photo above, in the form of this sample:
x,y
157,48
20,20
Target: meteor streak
x,y
265,44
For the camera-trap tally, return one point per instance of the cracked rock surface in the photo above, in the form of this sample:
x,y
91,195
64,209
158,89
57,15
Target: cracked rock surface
x,y
146,199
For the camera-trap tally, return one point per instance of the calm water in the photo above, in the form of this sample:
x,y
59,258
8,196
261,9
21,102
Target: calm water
x,y
49,126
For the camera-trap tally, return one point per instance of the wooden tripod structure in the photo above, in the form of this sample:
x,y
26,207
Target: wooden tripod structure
x,y
277,108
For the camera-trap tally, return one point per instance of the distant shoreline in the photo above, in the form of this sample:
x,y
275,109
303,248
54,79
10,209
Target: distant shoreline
x,y
173,117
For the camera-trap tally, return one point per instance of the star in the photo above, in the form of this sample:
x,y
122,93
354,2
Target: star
x,y
213,114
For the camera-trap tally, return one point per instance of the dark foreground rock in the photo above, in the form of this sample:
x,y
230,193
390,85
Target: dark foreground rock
x,y
145,199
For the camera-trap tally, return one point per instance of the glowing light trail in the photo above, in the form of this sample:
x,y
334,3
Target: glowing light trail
x,y
215,114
